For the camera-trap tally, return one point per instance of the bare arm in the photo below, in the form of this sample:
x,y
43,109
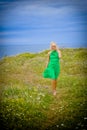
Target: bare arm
x,y
59,52
48,58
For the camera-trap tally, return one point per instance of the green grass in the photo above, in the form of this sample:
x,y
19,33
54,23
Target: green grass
x,y
26,100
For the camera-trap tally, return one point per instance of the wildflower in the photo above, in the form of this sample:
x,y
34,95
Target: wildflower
x,y
85,118
38,98
62,124
30,96
57,125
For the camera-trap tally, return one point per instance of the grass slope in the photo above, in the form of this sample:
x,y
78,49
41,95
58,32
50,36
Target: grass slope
x,y
26,99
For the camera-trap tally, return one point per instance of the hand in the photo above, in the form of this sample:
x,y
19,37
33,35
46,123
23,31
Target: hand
x,y
46,65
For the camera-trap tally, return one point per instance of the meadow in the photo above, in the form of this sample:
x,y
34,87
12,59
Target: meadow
x,y
26,100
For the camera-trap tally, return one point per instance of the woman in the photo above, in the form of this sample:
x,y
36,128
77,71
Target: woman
x,y
52,70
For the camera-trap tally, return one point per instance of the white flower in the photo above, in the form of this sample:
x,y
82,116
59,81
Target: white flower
x,y
57,125
62,124
38,98
85,118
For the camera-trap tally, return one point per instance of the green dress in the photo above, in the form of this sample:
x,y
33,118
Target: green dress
x,y
53,69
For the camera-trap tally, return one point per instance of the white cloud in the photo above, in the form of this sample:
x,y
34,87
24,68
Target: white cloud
x,y
42,10
16,40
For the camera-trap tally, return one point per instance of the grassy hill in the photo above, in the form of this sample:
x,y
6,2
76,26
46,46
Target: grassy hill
x,y
26,99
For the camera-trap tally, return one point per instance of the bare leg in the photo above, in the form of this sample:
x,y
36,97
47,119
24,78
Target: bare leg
x,y
54,83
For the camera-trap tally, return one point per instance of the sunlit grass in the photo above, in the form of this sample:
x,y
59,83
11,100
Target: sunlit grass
x,y
26,97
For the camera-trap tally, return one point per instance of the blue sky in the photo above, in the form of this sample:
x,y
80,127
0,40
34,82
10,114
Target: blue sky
x,y
42,21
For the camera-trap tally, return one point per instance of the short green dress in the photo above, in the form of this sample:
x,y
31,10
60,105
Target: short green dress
x,y
53,69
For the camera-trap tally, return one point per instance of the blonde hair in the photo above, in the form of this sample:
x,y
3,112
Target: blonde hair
x,y
53,44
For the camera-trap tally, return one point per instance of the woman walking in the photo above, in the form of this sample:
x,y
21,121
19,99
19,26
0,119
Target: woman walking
x,y
52,70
